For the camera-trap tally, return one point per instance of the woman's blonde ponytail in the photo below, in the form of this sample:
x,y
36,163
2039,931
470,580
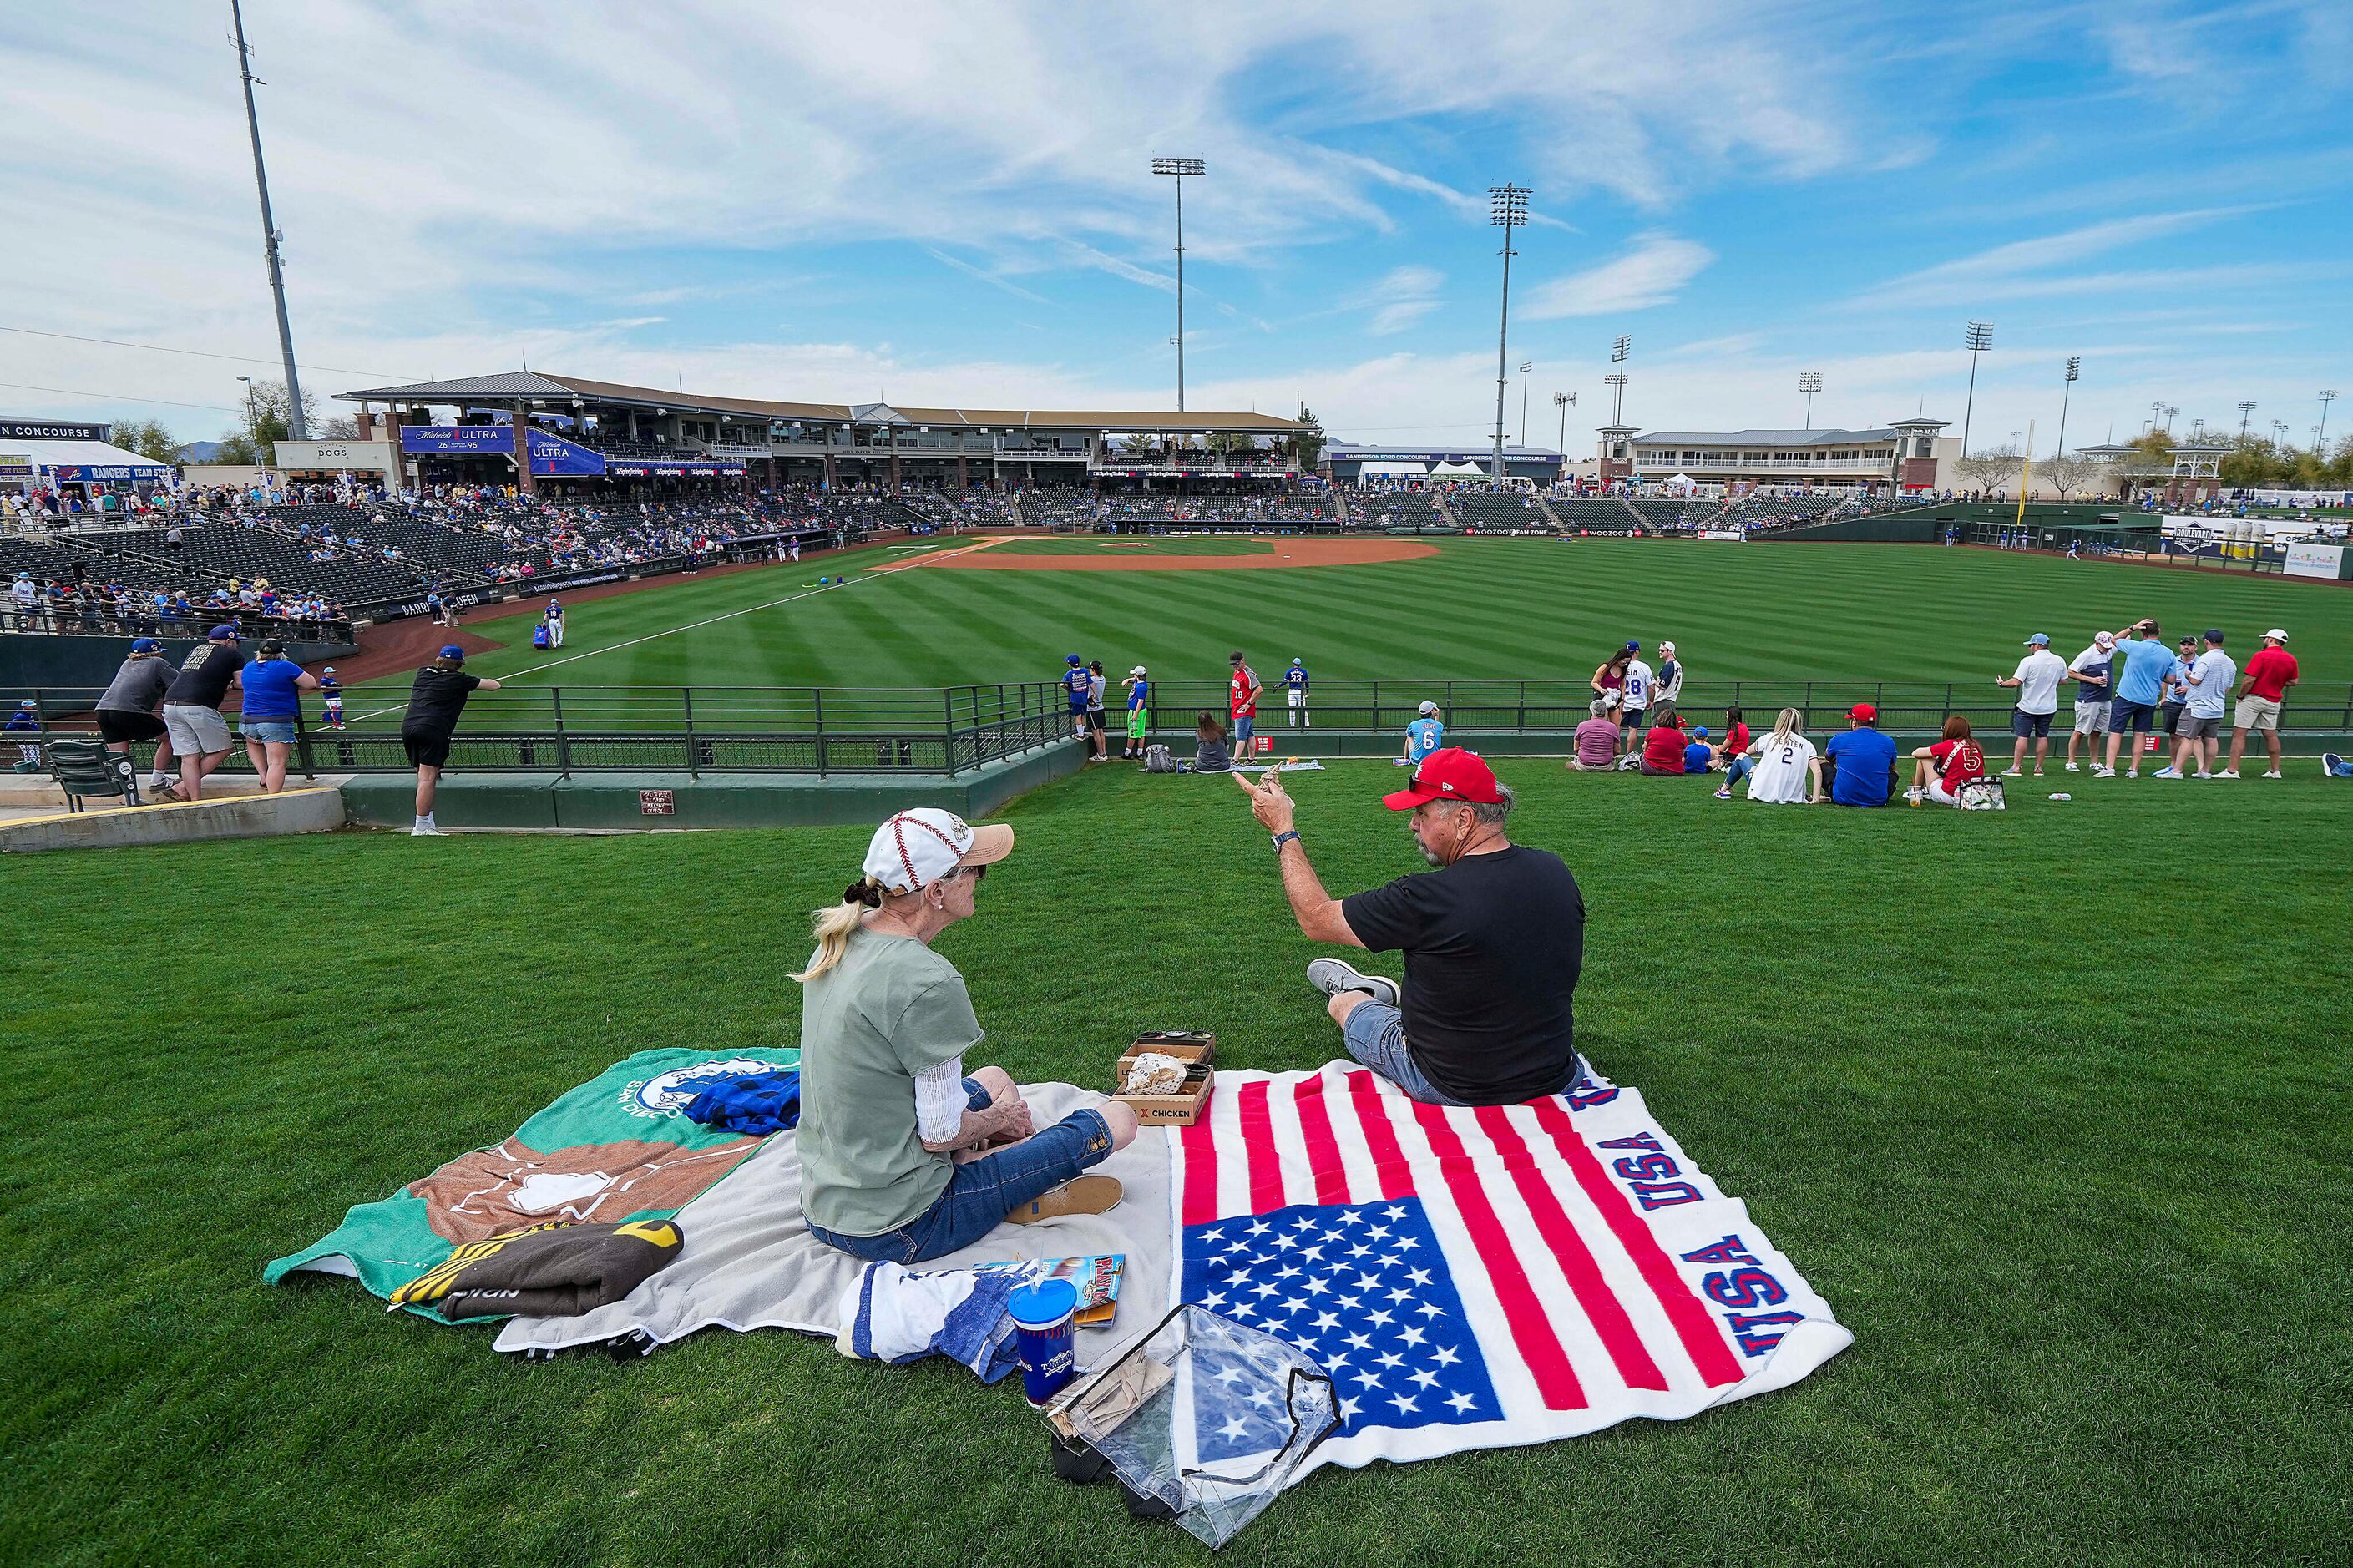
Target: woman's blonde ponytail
x,y
830,928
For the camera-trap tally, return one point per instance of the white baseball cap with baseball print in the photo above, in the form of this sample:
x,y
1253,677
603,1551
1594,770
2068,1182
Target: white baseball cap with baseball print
x,y
916,848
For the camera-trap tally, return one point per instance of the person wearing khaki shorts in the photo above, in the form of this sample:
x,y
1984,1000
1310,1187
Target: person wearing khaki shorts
x,y
2263,688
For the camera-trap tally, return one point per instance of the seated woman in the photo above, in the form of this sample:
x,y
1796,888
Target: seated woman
x,y
1946,766
1597,741
1736,738
1209,753
904,1156
1782,767
1663,746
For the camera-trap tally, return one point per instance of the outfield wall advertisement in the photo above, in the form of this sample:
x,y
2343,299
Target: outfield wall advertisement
x,y
2315,561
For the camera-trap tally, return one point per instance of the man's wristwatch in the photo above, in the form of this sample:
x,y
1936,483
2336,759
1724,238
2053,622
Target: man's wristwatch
x,y
1288,836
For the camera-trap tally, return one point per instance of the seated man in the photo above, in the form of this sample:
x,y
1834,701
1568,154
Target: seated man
x,y
1865,759
1597,741
903,1155
1493,940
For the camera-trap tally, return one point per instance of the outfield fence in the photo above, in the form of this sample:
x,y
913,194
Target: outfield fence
x,y
948,730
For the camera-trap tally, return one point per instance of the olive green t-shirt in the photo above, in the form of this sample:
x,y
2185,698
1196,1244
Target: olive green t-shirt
x,y
890,1009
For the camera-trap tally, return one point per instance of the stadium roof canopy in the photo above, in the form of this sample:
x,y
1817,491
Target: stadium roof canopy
x,y
537,386
1766,438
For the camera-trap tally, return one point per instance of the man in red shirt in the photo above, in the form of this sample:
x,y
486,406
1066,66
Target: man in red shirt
x,y
2262,687
1946,766
1242,698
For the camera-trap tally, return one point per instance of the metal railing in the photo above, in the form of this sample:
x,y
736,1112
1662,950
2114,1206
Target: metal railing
x,y
948,730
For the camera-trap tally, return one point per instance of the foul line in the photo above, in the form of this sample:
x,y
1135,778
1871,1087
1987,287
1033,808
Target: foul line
x,y
673,631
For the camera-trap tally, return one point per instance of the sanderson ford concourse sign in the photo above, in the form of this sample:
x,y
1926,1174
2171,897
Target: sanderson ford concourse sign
x,y
35,431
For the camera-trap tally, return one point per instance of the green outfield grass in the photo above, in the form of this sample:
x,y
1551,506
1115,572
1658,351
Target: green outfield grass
x,y
2050,1106
1477,609
1082,544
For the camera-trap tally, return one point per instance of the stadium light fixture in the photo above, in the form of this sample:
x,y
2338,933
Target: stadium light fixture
x,y
1180,169
2320,433
2066,391
1561,400
1810,382
1507,210
1619,350
1979,339
2247,408
1526,365
272,242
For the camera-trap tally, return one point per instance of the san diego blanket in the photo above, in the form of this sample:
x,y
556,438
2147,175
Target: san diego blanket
x,y
618,1148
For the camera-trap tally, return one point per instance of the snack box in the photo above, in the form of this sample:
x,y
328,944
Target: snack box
x,y
1184,1106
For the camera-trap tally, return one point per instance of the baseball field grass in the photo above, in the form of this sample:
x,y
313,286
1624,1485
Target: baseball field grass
x,y
2050,1106
1489,608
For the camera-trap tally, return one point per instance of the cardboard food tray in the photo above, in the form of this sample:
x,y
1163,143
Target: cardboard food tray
x,y
1184,1108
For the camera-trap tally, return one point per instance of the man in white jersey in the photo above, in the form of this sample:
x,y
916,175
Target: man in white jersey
x,y
1637,689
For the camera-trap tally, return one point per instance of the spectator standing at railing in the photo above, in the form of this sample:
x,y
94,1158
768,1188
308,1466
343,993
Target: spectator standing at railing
x,y
272,712
2036,679
435,698
192,709
26,720
1096,733
1242,695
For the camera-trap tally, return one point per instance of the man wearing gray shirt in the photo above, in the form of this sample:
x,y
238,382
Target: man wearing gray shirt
x,y
2209,683
127,713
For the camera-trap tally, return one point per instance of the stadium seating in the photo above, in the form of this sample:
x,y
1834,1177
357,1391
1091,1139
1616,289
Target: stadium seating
x,y
1498,509
1395,508
1596,512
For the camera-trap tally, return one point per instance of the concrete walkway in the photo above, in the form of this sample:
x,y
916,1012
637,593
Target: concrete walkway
x,y
34,814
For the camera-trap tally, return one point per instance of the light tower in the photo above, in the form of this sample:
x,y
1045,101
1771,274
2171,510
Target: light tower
x,y
1181,168
1526,365
1979,339
1561,400
1619,350
1508,211
1810,382
2246,406
2320,436
297,427
2066,391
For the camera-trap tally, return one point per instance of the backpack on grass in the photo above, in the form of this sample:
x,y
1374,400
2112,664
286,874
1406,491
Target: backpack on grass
x,y
1159,759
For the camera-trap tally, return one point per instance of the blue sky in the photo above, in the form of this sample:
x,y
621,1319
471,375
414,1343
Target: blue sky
x,y
951,203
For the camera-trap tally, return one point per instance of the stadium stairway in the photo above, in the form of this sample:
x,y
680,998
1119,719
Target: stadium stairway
x,y
1445,513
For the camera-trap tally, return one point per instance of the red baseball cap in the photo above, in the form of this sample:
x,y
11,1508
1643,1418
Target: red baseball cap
x,y
1863,713
1449,772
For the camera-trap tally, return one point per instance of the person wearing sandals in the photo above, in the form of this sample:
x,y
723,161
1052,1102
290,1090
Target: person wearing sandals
x,y
904,1154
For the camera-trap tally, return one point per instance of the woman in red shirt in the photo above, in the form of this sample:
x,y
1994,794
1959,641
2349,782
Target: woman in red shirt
x,y
1946,766
1736,738
1662,745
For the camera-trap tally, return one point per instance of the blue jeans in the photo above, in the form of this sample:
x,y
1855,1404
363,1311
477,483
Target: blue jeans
x,y
1374,1035
983,1192
1741,768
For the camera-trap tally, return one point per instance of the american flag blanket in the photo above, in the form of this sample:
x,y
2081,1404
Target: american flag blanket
x,y
1483,1277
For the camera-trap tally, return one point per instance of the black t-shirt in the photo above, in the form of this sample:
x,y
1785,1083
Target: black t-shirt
x,y
1493,944
204,674
437,699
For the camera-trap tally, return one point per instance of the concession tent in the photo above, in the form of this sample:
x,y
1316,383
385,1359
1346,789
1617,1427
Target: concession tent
x,y
1458,471
57,463
1400,470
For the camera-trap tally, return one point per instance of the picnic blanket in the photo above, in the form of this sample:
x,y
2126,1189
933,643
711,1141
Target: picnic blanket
x,y
1481,1278
618,1148
749,1261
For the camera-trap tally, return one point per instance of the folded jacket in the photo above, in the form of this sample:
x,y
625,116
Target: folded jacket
x,y
555,1270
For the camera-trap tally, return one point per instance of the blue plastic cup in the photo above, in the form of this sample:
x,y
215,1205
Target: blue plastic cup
x,y
1041,1317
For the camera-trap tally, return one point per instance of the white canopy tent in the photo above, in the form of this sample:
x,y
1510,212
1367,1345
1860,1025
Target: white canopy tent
x,y
1395,470
1458,471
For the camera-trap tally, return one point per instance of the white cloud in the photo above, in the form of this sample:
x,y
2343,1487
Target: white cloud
x,y
1399,300
1651,273
1982,276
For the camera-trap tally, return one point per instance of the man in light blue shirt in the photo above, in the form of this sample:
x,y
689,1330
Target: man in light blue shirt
x,y
1424,735
2142,669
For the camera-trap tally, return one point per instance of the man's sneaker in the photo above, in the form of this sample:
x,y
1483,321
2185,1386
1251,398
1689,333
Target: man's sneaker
x,y
2074,769
1082,1194
2099,772
2012,774
2201,776
1332,976
2231,773
2037,772
422,831
2167,772
2272,774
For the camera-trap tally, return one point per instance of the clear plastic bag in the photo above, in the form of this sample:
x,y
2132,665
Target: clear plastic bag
x,y
1204,1417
